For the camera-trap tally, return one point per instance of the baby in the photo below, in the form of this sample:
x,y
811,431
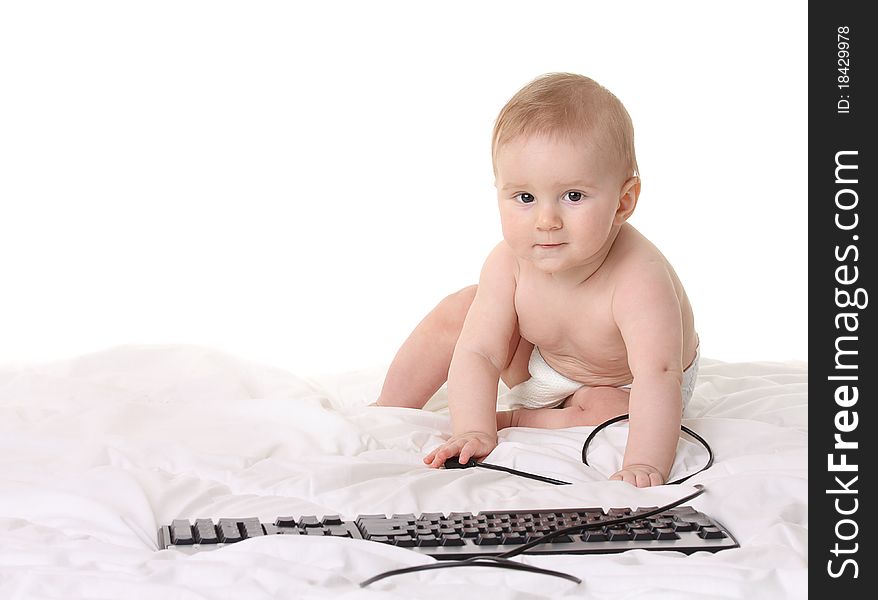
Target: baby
x,y
578,313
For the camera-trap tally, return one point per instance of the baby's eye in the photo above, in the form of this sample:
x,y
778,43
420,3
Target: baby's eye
x,y
574,196
525,198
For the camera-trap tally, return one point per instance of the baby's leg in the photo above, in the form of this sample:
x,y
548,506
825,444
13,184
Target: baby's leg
x,y
588,406
420,367
421,364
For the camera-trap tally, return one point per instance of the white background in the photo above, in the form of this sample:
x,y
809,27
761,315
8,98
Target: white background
x,y
300,183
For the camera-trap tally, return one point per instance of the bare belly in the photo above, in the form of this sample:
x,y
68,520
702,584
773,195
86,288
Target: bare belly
x,y
609,370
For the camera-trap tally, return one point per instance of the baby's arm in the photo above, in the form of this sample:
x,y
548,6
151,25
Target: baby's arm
x,y
479,357
647,312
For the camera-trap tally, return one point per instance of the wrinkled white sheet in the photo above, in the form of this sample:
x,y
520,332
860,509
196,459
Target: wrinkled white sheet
x,y
99,451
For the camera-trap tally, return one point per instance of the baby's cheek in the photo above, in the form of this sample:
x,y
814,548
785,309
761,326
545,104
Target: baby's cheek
x,y
519,242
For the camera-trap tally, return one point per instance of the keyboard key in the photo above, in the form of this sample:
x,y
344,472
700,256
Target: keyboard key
x,y
596,535
641,533
428,540
619,534
181,533
431,517
404,517
680,511
228,531
309,521
470,532
453,540
490,539
561,539
710,533
514,538
406,541
665,533
496,522
285,522
250,528
205,532
331,520
383,526
367,521
338,531
495,530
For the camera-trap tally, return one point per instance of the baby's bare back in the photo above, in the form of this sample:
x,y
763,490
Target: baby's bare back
x,y
575,326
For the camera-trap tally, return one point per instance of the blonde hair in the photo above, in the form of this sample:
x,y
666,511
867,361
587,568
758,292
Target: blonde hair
x,y
566,105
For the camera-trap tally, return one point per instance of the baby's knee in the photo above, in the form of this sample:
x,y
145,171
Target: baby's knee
x,y
453,309
462,298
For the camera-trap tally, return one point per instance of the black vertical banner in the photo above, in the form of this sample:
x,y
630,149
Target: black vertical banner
x,y
842,228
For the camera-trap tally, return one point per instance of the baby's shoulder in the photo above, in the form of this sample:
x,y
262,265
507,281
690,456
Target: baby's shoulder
x,y
637,262
501,261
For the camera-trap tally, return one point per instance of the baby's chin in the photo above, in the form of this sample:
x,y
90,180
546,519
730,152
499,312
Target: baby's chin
x,y
563,267
550,265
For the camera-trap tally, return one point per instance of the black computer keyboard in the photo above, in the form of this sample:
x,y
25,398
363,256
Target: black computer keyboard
x,y
461,535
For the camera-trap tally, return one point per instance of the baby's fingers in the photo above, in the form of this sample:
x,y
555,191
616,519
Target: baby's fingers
x,y
656,479
626,476
638,478
470,449
441,454
641,479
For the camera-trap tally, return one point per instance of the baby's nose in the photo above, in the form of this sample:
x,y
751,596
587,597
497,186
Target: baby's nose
x,y
548,218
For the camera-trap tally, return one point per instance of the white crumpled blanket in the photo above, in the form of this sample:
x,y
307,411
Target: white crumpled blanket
x,y
97,452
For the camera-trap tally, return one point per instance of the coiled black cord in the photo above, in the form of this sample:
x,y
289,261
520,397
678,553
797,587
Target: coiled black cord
x,y
454,463
682,427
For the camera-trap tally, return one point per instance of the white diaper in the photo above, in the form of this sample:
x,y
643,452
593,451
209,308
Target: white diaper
x,y
547,388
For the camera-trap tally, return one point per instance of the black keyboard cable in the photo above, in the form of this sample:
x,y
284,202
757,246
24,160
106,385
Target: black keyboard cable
x,y
502,560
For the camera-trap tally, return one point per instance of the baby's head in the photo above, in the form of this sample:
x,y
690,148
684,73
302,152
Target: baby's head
x,y
565,170
569,107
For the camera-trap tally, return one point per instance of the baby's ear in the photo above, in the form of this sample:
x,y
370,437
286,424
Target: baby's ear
x,y
628,199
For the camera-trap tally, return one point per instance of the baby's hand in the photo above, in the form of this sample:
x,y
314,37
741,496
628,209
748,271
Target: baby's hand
x,y
472,444
639,476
